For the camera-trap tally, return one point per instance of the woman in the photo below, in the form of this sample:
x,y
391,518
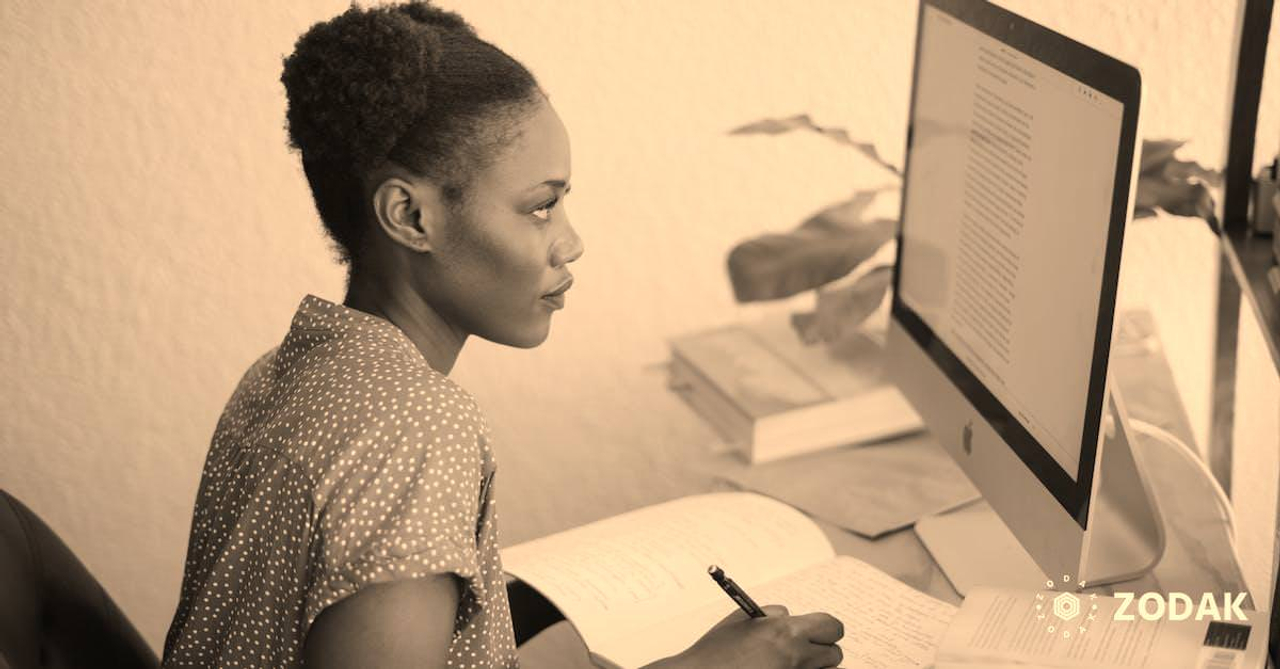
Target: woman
x,y
345,515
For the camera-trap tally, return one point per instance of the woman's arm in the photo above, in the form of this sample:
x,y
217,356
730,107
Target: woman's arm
x,y
530,611
405,623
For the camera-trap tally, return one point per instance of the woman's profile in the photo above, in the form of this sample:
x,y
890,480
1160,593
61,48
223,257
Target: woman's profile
x,y
346,515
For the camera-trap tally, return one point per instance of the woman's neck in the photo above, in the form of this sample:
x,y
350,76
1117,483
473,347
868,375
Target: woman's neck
x,y
394,301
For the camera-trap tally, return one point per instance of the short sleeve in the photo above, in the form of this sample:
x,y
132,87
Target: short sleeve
x,y
401,502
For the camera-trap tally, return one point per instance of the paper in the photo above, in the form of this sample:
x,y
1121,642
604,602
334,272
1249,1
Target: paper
x,y
871,490
636,586
999,628
887,623
617,575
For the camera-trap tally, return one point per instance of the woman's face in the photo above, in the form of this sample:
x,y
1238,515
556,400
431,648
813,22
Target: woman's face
x,y
501,267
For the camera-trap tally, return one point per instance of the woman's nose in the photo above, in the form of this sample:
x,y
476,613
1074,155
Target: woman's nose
x,y
567,249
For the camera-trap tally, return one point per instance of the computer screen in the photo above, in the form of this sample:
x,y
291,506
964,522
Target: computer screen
x,y
1006,238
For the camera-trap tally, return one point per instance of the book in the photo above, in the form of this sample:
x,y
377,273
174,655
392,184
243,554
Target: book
x,y
635,586
771,396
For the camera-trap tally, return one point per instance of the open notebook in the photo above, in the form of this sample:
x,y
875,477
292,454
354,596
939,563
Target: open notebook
x,y
636,586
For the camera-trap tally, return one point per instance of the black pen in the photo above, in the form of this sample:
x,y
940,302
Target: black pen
x,y
735,592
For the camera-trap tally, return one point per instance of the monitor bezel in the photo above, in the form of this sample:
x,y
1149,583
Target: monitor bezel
x,y
1119,81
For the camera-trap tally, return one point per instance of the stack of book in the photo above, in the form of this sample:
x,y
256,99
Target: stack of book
x,y
773,396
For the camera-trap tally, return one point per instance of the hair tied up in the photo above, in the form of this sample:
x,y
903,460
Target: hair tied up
x,y
385,61
411,79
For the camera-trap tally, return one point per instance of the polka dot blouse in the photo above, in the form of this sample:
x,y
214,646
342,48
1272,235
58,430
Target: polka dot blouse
x,y
342,460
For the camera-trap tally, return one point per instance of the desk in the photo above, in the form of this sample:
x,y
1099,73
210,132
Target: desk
x,y
1196,559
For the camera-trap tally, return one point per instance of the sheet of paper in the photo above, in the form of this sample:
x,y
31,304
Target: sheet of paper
x,y
870,490
888,625
998,628
624,572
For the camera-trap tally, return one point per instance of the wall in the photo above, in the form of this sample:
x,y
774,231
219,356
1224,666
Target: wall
x,y
158,235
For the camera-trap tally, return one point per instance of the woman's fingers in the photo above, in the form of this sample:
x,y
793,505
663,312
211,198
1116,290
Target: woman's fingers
x,y
820,628
739,615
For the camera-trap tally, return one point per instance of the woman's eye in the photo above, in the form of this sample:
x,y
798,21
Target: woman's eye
x,y
543,213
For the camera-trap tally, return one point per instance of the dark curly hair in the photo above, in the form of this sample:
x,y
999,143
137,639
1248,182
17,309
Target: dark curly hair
x,y
411,84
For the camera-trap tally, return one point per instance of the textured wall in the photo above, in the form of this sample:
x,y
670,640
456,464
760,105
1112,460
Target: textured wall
x,y
157,234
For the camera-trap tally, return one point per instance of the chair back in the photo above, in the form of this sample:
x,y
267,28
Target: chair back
x,y
53,612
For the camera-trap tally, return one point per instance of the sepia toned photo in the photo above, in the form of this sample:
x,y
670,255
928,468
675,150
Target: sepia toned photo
x,y
876,334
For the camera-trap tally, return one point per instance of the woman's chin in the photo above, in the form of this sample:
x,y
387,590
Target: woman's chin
x,y
529,337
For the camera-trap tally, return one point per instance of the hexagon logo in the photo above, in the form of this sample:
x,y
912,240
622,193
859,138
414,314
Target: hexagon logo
x,y
1066,606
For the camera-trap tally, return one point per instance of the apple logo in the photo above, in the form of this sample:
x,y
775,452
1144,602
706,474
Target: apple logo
x,y
966,438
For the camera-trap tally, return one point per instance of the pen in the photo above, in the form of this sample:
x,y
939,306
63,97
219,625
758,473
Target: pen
x,y
735,592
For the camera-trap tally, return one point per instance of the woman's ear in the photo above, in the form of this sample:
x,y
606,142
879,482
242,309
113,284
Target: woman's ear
x,y
410,212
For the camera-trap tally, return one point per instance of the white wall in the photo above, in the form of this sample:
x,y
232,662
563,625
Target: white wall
x,y
158,235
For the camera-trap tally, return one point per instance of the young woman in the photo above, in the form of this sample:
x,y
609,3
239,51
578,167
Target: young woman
x,y
345,516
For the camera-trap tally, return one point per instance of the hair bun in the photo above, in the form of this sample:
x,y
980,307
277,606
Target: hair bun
x,y
388,57
423,12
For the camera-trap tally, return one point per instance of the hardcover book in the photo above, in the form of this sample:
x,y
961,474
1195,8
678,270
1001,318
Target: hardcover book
x,y
772,396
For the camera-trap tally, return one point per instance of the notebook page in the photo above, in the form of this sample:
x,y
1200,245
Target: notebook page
x,y
625,572
888,624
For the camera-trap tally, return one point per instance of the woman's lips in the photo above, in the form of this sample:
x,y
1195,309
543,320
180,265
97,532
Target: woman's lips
x,y
556,297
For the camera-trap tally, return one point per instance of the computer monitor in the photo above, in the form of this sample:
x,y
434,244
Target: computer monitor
x,y
1017,185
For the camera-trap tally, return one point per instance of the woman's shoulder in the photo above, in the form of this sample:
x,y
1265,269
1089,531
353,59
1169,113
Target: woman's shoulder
x,y
425,436
373,374
371,409
406,386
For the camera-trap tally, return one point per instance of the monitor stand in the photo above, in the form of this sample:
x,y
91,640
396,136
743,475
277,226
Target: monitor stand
x,y
973,546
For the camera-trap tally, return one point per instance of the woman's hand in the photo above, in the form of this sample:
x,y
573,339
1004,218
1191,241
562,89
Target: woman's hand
x,y
777,641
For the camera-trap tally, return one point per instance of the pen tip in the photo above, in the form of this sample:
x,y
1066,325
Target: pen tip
x,y
713,570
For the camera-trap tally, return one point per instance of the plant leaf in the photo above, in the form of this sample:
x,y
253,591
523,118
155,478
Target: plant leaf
x,y
1183,198
771,126
781,265
841,310
846,215
825,247
1156,152
1177,186
1182,170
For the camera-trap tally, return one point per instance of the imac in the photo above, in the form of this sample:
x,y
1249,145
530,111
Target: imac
x,y
1018,182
